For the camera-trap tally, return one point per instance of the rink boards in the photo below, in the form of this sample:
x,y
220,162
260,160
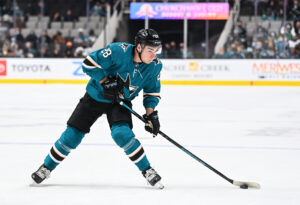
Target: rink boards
x,y
175,71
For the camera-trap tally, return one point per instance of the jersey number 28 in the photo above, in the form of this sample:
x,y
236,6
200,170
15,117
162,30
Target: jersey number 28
x,y
106,52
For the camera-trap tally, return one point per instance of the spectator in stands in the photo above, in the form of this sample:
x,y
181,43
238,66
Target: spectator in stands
x,y
236,50
80,38
20,21
29,51
79,52
297,26
32,38
296,6
11,52
240,52
58,39
57,53
281,47
44,38
295,52
82,51
7,21
69,16
220,54
272,4
56,17
18,51
98,9
273,35
91,38
249,53
46,52
295,41
241,29
19,37
258,47
4,49
189,54
173,51
261,32
231,49
270,50
3,40
69,49
58,44
287,31
166,50
280,13
239,33
268,14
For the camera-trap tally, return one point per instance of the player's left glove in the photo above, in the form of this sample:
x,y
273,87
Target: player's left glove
x,y
152,123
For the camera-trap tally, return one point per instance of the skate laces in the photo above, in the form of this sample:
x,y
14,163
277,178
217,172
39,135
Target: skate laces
x,y
43,172
150,174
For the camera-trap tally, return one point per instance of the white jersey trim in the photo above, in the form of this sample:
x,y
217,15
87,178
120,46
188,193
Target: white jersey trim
x,y
93,62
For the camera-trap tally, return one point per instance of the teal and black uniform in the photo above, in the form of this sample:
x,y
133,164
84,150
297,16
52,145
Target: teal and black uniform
x,y
116,60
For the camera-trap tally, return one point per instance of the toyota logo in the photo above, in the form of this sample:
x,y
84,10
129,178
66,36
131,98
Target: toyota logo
x,y
2,68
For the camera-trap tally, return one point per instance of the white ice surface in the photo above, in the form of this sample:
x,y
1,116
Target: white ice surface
x,y
247,133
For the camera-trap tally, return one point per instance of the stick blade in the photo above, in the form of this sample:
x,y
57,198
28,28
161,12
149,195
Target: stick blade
x,y
253,185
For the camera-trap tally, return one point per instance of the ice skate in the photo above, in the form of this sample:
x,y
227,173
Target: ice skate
x,y
40,175
153,178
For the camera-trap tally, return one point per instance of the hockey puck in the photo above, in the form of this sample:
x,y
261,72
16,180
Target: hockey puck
x,y
244,186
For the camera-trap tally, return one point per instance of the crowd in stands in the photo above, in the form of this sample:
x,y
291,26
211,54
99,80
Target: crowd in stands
x,y
173,50
40,43
266,40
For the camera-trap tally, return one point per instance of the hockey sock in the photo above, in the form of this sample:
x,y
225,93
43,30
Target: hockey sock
x,y
124,137
69,140
136,153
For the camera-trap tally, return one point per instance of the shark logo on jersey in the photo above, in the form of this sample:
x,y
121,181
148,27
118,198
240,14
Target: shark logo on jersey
x,y
124,46
127,87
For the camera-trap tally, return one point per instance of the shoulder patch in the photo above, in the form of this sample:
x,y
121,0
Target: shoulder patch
x,y
124,46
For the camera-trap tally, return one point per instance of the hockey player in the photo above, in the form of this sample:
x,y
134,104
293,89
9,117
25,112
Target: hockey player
x,y
118,72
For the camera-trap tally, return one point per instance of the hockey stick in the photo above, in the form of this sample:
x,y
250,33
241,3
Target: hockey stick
x,y
242,185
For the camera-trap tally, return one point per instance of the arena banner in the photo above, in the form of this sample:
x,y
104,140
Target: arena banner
x,y
41,70
174,71
176,11
240,72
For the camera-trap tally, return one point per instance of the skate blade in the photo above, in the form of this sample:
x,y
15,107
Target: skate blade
x,y
33,183
159,185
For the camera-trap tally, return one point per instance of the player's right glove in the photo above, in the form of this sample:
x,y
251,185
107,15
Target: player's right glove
x,y
152,123
112,89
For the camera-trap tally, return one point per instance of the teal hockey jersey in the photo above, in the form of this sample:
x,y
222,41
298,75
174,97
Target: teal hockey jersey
x,y
117,59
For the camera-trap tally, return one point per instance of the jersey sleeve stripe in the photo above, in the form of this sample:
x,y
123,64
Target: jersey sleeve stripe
x,y
152,94
93,62
157,96
88,66
88,63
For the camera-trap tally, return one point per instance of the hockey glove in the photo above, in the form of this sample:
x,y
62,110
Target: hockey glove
x,y
152,123
112,89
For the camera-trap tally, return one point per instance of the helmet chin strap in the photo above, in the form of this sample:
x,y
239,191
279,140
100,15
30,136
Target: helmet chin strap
x,y
140,53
